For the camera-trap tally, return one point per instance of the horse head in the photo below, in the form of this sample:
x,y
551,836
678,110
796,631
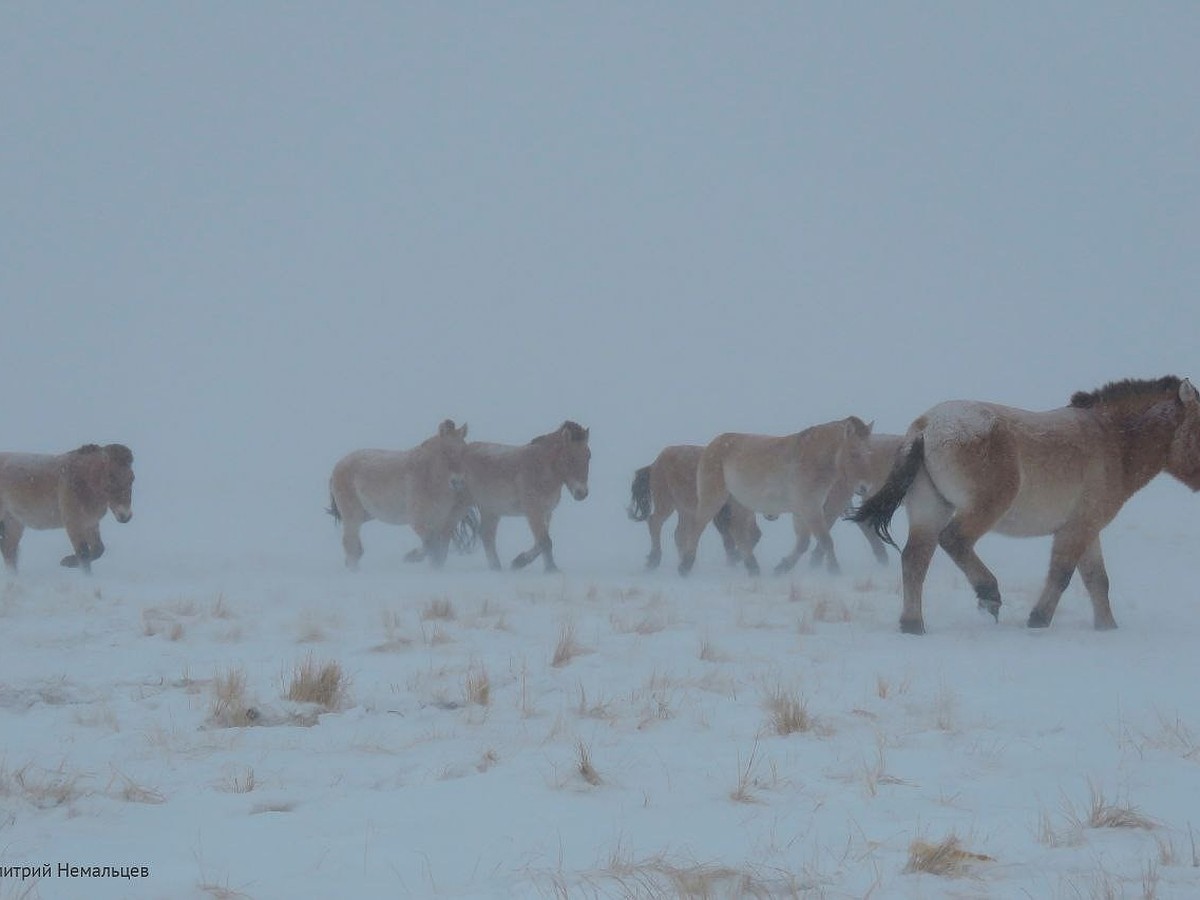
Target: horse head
x,y
574,457
856,459
118,475
453,443
1183,457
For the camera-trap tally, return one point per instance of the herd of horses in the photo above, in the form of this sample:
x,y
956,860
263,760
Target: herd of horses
x,y
963,469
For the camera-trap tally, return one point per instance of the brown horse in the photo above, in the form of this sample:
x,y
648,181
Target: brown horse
x,y
967,468
72,491
776,475
881,453
527,480
669,484
421,487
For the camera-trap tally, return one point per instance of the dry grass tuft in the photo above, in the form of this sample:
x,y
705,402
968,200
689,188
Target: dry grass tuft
x,y
324,684
585,768
828,608
946,858
742,793
132,792
229,708
42,788
477,687
1102,814
242,782
787,712
439,608
567,647
710,653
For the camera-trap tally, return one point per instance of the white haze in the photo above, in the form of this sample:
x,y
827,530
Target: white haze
x,y
247,238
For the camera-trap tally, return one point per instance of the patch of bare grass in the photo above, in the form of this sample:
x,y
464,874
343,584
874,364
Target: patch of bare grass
x,y
439,608
567,647
229,707
710,653
1101,813
477,687
945,858
830,608
584,766
240,781
787,712
323,684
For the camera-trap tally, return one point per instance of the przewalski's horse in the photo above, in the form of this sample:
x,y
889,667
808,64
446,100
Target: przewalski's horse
x,y
775,475
668,485
422,487
967,468
882,449
527,480
72,491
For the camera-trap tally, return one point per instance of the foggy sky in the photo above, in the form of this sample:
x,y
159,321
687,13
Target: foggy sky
x,y
247,238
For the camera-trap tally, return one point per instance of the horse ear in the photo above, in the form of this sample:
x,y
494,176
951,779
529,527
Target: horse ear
x,y
447,427
462,432
587,432
1187,392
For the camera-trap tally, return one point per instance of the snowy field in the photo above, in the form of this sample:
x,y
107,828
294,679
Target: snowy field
x,y
603,733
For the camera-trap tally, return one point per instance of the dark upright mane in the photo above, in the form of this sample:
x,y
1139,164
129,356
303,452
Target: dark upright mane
x,y
575,432
1122,390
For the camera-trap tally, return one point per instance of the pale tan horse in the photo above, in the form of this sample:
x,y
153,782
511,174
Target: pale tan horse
x,y
775,475
881,454
668,485
71,490
527,480
421,487
967,468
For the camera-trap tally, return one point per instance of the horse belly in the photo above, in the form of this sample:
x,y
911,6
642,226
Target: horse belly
x,y
32,512
761,495
1038,510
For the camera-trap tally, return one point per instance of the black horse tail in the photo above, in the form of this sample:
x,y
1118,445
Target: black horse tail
x,y
878,509
466,533
723,519
333,510
641,503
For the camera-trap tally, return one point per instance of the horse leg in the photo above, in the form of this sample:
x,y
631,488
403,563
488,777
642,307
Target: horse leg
x,y
711,494
352,542
85,540
1095,579
655,523
10,538
802,540
539,524
878,547
415,555
927,516
684,526
488,523
1068,550
725,524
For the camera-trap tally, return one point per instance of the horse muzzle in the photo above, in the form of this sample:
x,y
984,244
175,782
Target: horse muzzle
x,y
579,493
123,515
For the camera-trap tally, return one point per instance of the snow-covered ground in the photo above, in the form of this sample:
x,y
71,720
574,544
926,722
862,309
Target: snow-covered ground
x,y
606,732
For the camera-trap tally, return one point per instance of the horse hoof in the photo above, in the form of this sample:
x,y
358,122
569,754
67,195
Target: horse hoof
x,y
70,562
520,562
1107,625
1038,620
993,607
916,626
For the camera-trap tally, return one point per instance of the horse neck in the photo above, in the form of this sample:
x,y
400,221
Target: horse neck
x,y
1144,435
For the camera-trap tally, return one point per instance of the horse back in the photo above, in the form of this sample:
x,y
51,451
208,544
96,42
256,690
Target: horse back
x,y
1053,463
30,489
